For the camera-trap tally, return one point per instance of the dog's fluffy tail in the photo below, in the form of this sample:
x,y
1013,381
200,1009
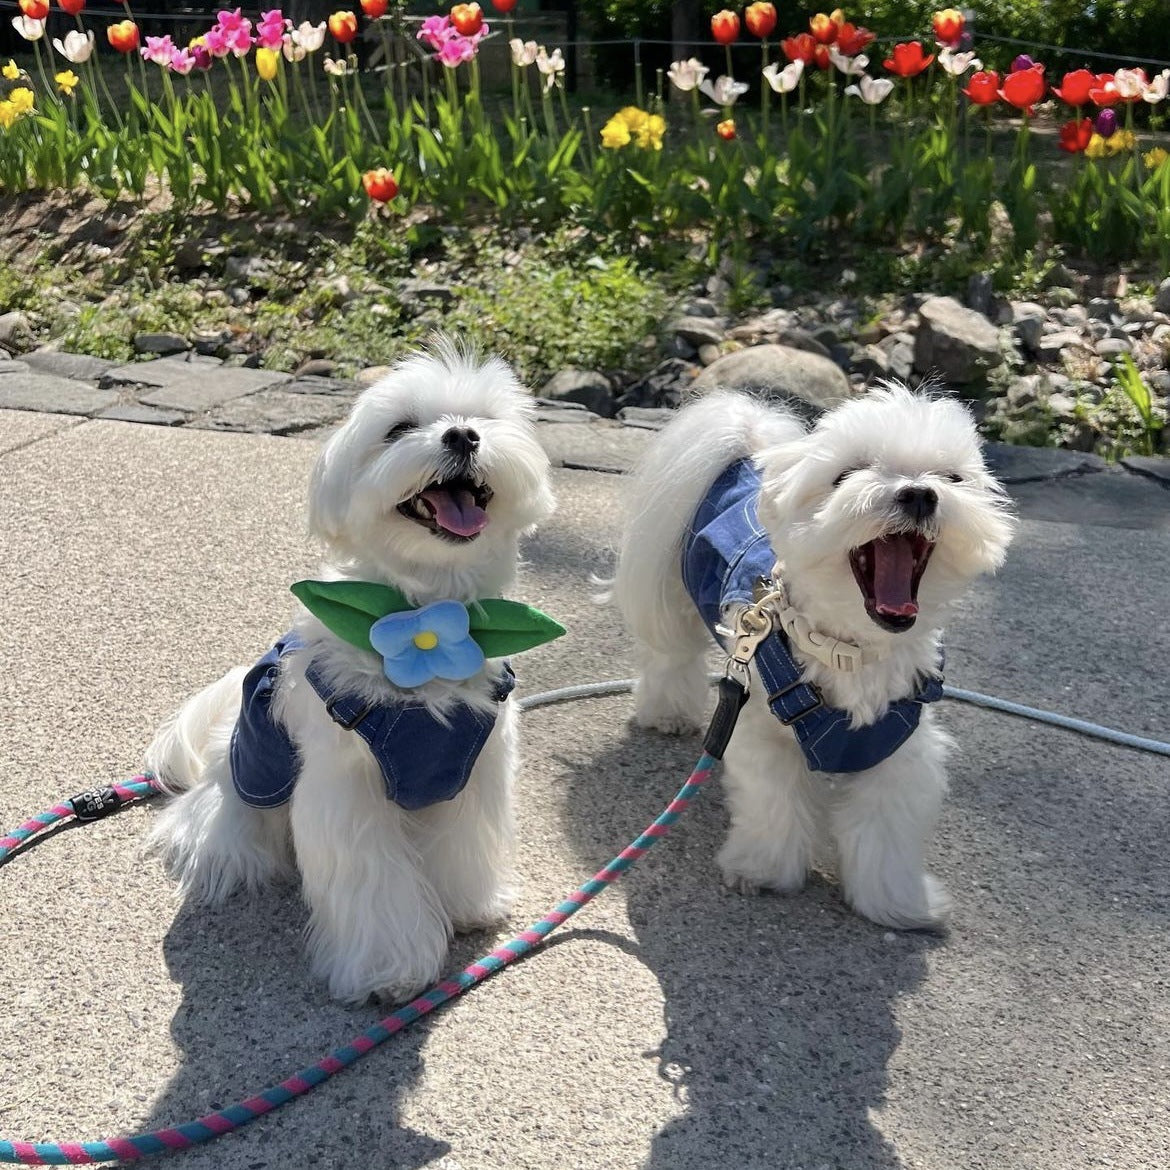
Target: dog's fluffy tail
x,y
180,751
663,495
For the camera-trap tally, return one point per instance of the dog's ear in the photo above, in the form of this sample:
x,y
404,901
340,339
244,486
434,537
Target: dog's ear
x,y
331,487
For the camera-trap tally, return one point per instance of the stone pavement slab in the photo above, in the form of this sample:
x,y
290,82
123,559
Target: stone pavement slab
x,y
30,391
674,1025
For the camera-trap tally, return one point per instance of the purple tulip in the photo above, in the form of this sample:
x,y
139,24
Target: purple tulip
x,y
1106,123
1022,62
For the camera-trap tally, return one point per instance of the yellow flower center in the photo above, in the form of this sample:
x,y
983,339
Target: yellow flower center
x,y
426,640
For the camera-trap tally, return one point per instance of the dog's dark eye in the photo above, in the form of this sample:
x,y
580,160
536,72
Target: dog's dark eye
x,y
844,476
953,477
398,430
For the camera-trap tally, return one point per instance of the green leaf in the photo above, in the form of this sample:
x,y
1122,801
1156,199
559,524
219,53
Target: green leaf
x,y
507,627
349,608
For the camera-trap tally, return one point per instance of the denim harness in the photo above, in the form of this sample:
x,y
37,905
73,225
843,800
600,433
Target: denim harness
x,y
725,555
424,759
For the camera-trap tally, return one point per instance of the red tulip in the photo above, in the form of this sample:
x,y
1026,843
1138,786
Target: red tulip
x,y
72,7
1024,88
375,8
726,129
34,9
824,28
760,18
1074,136
1074,87
799,48
380,185
123,36
343,26
851,39
983,88
467,19
503,5
725,27
1103,92
908,59
948,26
821,57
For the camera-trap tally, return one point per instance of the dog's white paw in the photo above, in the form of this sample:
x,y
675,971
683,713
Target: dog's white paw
x,y
465,919
667,724
754,870
926,907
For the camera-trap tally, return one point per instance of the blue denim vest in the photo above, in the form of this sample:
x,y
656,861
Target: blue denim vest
x,y
423,759
725,553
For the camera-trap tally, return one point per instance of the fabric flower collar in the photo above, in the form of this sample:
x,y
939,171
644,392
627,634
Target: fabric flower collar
x,y
445,639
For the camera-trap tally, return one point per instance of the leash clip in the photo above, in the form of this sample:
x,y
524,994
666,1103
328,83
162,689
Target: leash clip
x,y
752,625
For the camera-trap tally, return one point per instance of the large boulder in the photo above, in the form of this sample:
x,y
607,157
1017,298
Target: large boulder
x,y
808,383
955,342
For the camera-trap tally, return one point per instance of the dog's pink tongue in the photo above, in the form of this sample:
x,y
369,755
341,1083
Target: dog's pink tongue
x,y
456,511
893,577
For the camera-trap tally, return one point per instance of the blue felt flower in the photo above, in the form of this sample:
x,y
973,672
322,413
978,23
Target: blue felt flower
x,y
421,644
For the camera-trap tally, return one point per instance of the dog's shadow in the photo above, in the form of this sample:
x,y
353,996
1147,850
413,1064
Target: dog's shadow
x,y
780,1011
252,1014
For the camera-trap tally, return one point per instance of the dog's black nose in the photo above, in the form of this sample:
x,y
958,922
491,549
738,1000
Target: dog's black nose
x,y
461,441
919,503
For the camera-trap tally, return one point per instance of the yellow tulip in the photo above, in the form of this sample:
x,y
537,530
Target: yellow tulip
x,y
1155,158
266,63
614,134
7,114
21,99
10,72
67,81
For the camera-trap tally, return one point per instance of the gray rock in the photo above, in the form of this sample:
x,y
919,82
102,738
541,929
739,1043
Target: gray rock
x,y
31,391
248,269
275,412
78,366
1029,320
1114,346
160,343
602,446
1103,309
11,366
980,292
16,333
417,294
190,386
1154,466
653,418
316,368
1024,391
709,354
699,307
371,374
1162,299
807,382
1052,345
588,387
958,343
1063,406
871,361
681,348
802,340
1010,464
136,412
313,384
699,331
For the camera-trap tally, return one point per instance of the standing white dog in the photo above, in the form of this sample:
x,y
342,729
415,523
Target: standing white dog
x,y
385,780
866,529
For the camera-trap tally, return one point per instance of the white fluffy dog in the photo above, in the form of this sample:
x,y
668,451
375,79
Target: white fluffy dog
x,y
427,487
876,520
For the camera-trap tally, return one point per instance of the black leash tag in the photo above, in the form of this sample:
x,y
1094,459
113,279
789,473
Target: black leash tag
x,y
732,697
95,803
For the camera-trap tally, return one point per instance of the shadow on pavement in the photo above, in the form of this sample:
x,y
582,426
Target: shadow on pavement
x,y
779,1010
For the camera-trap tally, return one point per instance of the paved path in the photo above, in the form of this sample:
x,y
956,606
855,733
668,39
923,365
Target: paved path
x,y
676,1025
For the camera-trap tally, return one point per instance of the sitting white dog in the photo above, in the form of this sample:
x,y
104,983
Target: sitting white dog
x,y
374,746
863,530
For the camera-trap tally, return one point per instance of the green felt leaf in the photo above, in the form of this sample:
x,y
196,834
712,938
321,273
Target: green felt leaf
x,y
350,608
507,627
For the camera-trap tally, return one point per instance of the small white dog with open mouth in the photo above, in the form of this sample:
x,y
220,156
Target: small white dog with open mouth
x,y
862,531
373,749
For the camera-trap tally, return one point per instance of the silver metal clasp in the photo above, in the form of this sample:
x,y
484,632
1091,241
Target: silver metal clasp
x,y
752,626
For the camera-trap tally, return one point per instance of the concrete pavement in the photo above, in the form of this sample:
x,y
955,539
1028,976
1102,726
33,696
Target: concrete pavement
x,y
673,1025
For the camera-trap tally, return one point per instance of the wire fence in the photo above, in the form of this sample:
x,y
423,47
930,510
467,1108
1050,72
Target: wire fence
x,y
1063,53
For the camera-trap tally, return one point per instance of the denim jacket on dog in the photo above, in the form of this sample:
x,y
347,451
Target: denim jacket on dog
x,y
423,759
725,554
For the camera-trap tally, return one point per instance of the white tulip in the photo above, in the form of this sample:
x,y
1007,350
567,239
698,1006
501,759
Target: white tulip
x,y
872,90
850,66
956,64
686,75
76,48
308,36
31,30
1157,88
784,80
524,53
725,92
551,65
1130,83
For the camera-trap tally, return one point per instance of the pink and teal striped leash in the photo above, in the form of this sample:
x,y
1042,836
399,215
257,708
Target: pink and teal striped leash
x,y
204,1129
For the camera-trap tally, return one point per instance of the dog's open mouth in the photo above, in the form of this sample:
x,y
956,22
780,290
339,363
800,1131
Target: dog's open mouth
x,y
455,509
888,571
